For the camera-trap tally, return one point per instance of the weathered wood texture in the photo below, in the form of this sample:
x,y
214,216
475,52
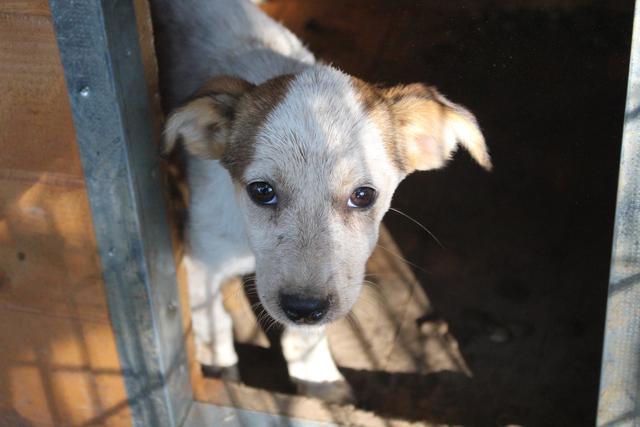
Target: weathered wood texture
x,y
58,358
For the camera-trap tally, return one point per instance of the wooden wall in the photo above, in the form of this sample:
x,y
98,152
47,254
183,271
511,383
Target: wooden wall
x,y
58,357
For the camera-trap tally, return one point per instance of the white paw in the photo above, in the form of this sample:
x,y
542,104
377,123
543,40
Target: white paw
x,y
221,355
311,366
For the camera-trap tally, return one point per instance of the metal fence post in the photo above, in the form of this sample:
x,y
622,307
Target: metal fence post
x,y
100,52
619,402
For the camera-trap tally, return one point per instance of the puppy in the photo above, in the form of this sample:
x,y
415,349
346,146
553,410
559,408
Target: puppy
x,y
291,166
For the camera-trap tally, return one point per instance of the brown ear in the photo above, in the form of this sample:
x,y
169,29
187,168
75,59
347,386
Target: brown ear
x,y
202,124
431,127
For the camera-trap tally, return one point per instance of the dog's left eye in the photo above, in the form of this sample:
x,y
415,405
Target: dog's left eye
x,y
262,193
362,197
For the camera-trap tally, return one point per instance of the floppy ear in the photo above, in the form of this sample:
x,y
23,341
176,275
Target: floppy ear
x,y
430,127
203,123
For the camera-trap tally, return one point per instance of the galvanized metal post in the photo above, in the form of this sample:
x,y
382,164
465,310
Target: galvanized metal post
x,y
99,47
619,403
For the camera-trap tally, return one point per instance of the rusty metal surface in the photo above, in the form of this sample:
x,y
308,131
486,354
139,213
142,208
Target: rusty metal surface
x,y
619,402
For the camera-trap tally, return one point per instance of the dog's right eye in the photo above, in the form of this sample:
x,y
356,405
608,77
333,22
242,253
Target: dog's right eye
x,y
262,193
362,197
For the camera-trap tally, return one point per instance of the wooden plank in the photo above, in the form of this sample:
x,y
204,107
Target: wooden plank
x,y
25,7
149,62
48,250
35,121
58,360
59,371
58,363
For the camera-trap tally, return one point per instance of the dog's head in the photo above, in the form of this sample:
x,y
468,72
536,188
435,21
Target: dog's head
x,y
315,158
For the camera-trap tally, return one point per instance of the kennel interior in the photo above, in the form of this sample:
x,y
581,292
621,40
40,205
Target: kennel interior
x,y
501,324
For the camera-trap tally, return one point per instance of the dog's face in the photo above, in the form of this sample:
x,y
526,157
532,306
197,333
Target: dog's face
x,y
316,158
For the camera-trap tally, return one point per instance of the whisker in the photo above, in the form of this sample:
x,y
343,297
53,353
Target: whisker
x,y
372,285
249,286
376,276
234,294
349,317
376,296
257,308
419,225
273,325
264,320
261,316
371,301
249,282
355,324
267,321
402,258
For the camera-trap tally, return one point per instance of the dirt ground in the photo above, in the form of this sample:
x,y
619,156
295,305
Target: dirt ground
x,y
521,281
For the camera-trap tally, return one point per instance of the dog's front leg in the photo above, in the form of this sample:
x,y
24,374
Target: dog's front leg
x,y
212,325
311,365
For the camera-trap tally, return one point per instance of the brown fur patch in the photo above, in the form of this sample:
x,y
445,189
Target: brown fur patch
x,y
202,123
421,121
221,120
250,114
427,126
224,84
379,110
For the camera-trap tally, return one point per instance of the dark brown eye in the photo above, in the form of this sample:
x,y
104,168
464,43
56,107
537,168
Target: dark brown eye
x,y
262,193
362,197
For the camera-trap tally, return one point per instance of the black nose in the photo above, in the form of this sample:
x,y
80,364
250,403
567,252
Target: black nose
x,y
304,309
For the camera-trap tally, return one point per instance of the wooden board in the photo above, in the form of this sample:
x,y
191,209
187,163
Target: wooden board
x,y
58,359
36,131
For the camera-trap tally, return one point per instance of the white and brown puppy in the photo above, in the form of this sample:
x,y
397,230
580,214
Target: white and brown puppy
x,y
292,165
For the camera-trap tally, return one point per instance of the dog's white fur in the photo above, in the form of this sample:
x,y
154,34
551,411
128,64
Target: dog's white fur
x,y
316,144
